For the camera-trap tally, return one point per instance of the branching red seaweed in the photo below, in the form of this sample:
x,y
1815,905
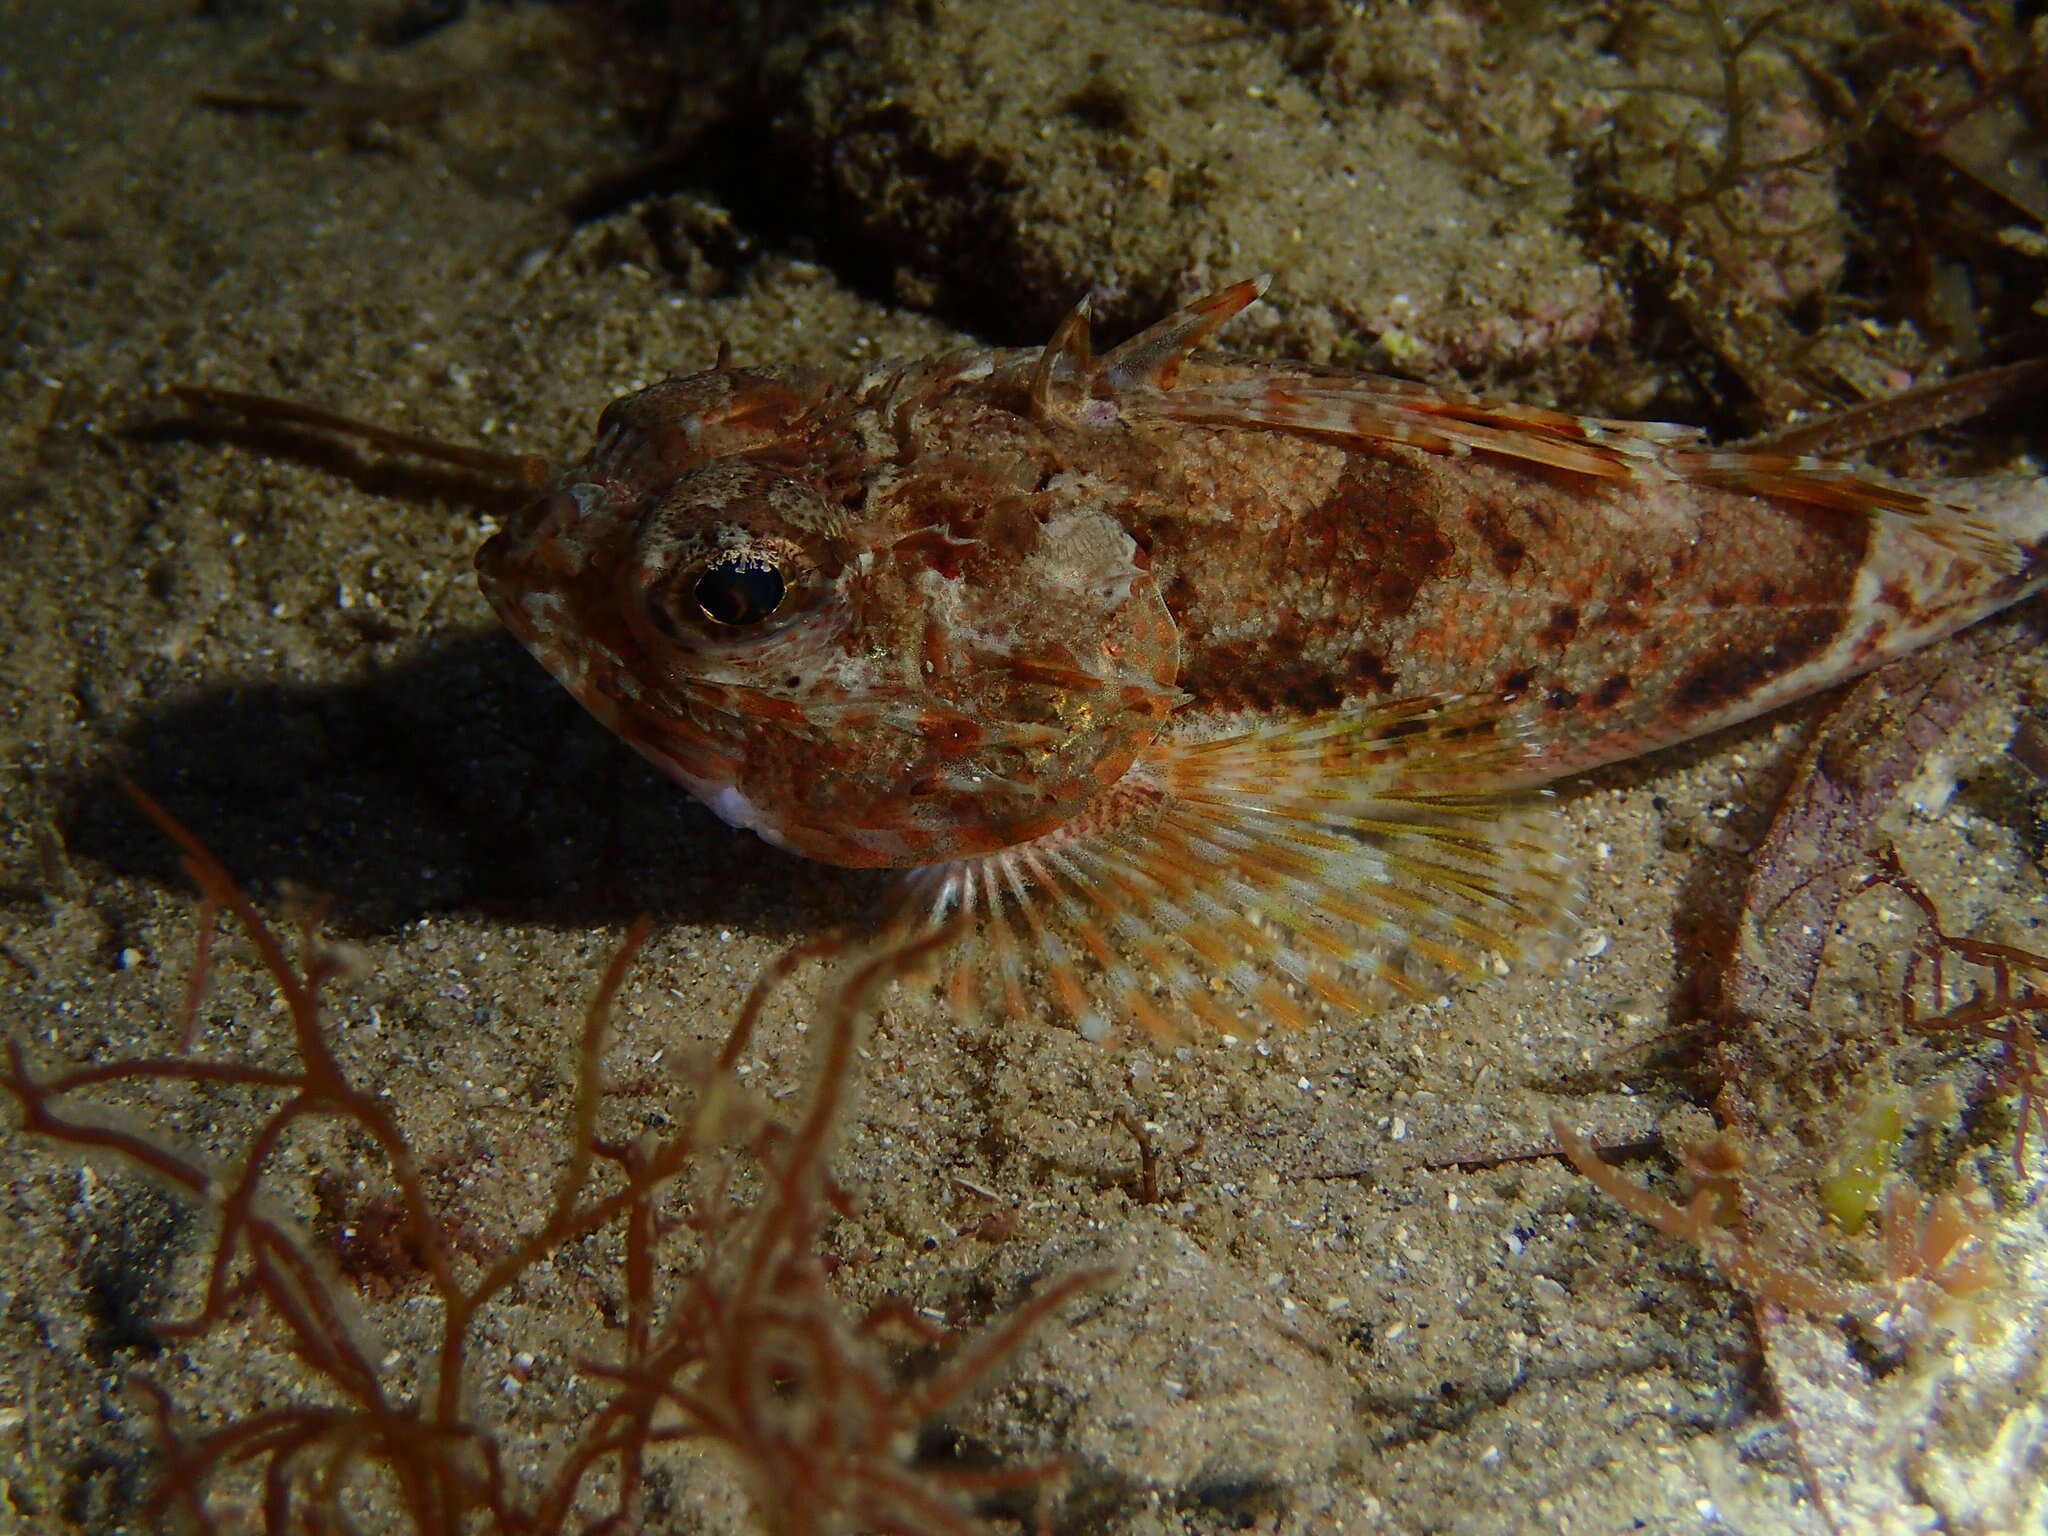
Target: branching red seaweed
x,y
2014,1012
746,1349
1798,1190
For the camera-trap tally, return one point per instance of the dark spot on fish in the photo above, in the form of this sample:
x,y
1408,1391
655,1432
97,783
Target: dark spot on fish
x,y
1898,597
1633,585
1370,673
1868,644
1612,691
1622,618
1392,545
1483,728
1724,680
1266,673
1564,623
1517,681
1560,699
1502,548
1307,691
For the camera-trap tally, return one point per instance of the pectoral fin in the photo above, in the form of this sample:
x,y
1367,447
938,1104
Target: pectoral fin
x,y
1341,863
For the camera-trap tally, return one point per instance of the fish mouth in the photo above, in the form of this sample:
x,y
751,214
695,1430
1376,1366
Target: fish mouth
x,y
505,572
491,559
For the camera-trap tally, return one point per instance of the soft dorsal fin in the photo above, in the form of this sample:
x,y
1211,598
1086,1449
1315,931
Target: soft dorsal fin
x,y
1347,861
1142,378
1368,408
1813,482
1927,408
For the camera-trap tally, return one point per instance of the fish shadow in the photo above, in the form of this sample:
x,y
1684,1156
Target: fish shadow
x,y
462,780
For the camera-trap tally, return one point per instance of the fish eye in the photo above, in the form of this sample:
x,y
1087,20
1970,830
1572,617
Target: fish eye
x,y
739,589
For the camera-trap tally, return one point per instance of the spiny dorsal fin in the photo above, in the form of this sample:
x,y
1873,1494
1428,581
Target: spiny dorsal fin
x,y
1152,359
1066,372
1066,361
1343,862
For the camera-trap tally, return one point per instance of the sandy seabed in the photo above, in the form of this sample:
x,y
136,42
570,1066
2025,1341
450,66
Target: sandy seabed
x,y
1349,1309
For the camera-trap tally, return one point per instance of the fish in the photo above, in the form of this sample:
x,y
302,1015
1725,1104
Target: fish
x,y
1201,690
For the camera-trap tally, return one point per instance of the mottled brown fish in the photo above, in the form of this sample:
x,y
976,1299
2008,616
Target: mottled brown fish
x,y
1212,690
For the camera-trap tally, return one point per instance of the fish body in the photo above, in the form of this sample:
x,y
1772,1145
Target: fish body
x,y
1208,687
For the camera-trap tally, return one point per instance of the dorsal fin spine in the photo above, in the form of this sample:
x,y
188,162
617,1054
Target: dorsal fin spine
x,y
1153,357
1066,361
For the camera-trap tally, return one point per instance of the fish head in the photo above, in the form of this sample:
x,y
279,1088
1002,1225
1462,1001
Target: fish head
x,y
867,662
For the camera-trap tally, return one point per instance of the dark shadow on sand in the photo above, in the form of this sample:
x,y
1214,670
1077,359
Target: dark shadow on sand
x,y
461,780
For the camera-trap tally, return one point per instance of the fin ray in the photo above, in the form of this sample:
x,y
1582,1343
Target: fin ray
x,y
1368,408
1152,359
